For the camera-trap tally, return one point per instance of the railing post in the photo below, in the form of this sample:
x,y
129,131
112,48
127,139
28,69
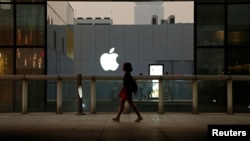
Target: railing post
x,y
80,95
195,96
161,102
24,96
229,97
93,96
59,96
126,108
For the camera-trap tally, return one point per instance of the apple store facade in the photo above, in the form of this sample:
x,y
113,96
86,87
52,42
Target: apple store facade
x,y
46,41
170,45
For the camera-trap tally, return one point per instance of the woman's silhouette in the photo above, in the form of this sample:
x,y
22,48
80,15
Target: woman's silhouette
x,y
126,93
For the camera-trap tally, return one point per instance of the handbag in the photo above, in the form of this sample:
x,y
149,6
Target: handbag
x,y
134,86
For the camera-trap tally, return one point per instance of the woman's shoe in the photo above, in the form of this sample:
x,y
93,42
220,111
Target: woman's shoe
x,y
138,119
116,119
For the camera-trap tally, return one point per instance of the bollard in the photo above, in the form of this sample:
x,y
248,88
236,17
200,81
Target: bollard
x,y
79,88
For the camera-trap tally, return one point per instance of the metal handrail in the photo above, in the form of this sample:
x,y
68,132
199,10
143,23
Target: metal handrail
x,y
93,78
117,77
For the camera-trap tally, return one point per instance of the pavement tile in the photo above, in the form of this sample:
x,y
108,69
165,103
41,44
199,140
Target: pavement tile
x,y
100,127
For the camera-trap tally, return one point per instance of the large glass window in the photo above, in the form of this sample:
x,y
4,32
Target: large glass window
x,y
241,96
30,61
30,25
6,24
210,25
210,61
6,61
212,96
238,61
239,64
238,25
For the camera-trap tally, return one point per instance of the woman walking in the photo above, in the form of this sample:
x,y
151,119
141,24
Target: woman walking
x,y
126,93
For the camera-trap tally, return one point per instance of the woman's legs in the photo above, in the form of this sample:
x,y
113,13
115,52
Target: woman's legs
x,y
132,104
120,109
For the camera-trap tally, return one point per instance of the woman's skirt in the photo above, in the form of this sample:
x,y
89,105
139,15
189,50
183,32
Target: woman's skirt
x,y
125,95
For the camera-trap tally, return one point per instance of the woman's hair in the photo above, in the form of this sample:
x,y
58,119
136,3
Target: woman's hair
x,y
127,67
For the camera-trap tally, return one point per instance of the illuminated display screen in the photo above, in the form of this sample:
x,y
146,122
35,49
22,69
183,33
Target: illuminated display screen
x,y
155,69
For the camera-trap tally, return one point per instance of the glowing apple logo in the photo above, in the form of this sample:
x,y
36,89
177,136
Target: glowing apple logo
x,y
108,60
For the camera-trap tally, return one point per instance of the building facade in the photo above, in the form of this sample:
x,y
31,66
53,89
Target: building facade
x,y
222,39
168,44
22,50
25,26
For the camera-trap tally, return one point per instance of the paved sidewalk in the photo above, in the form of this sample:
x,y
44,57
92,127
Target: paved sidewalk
x,y
100,127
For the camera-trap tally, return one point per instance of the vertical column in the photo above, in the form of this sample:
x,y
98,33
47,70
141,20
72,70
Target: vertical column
x,y
59,96
195,96
160,102
93,96
229,97
24,96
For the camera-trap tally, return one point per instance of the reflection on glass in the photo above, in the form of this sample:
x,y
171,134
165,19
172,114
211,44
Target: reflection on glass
x,y
238,25
238,60
30,60
107,90
210,61
144,90
30,25
210,25
6,61
6,24
219,36
212,96
174,90
235,37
